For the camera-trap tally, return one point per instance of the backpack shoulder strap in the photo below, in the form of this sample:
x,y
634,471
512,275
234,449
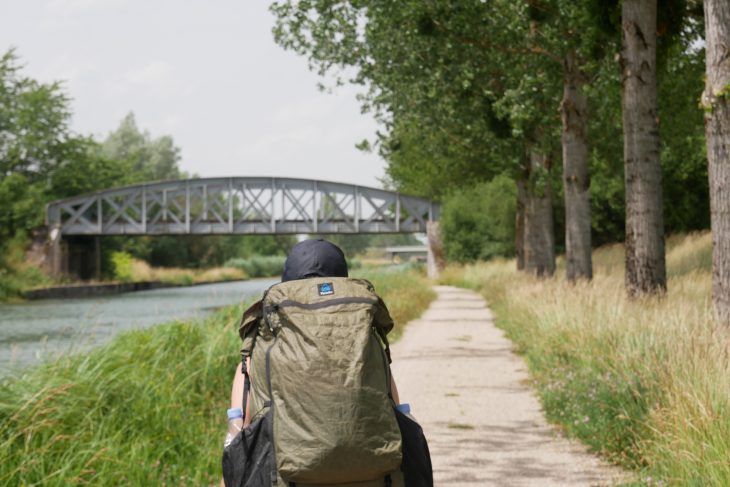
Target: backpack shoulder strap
x,y
249,326
383,323
247,330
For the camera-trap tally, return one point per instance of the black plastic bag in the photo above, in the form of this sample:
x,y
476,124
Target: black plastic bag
x,y
417,470
249,460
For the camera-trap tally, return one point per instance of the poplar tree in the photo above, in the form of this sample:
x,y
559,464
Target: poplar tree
x,y
716,102
645,261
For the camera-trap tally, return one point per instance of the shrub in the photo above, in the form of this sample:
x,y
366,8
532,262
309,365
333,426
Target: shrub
x,y
353,264
122,266
259,265
17,274
479,223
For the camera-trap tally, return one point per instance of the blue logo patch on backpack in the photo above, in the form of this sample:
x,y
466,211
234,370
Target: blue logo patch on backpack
x,y
325,289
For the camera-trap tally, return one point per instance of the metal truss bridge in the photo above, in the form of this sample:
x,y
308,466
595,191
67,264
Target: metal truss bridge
x,y
240,206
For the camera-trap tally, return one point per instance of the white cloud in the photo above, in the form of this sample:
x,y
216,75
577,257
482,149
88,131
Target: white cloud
x,y
65,68
156,78
153,73
171,122
75,6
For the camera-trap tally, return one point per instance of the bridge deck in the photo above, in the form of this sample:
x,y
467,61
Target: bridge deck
x,y
241,205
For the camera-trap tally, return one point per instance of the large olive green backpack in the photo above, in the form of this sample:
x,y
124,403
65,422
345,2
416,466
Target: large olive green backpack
x,y
320,400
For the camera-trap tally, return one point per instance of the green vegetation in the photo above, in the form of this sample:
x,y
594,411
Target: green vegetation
x,y
259,265
128,269
17,274
479,223
146,409
407,294
466,89
645,382
122,267
42,160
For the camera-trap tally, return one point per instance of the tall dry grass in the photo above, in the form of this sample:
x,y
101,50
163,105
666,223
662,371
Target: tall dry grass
x,y
142,271
645,382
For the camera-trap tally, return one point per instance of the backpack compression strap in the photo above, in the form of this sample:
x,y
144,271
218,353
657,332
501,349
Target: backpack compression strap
x,y
246,385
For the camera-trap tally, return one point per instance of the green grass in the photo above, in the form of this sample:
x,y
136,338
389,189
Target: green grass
x,y
407,294
147,408
644,382
259,265
17,275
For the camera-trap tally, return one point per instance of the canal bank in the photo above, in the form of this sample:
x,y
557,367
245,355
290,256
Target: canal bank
x,y
106,288
36,330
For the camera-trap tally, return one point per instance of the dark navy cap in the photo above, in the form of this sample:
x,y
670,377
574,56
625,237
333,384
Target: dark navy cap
x,y
314,258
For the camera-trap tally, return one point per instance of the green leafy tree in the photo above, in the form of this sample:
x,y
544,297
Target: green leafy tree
x,y
150,159
34,119
465,90
87,171
478,222
40,158
21,206
454,111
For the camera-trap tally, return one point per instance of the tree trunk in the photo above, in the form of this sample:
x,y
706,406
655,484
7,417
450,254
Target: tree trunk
x,y
539,232
645,264
520,221
435,257
716,101
578,263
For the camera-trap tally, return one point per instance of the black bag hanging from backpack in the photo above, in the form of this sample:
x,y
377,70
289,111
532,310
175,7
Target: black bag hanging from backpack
x,y
416,467
249,460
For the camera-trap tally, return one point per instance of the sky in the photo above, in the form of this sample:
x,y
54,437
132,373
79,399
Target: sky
x,y
208,73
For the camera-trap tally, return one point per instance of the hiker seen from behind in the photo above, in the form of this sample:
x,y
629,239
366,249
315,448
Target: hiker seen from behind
x,y
314,396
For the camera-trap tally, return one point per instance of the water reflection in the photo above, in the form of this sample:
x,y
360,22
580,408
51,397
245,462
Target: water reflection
x,y
38,329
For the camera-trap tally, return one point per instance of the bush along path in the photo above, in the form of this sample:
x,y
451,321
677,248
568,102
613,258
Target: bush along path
x,y
469,392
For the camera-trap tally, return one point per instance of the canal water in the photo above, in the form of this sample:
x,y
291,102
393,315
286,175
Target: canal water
x,y
37,330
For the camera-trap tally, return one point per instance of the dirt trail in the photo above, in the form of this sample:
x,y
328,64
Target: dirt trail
x,y
468,390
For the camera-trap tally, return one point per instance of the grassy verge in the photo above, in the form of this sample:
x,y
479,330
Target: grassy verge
x,y
146,409
17,275
129,269
644,382
407,294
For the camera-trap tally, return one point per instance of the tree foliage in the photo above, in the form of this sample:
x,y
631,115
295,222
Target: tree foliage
x,y
148,159
461,88
42,160
478,222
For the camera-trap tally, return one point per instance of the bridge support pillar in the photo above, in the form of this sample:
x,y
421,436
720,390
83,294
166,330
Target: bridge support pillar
x,y
57,260
435,258
81,257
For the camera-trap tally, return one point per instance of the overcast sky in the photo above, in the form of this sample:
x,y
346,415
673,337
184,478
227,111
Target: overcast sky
x,y
206,72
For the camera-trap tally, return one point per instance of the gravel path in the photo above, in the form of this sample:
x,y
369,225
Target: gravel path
x,y
468,390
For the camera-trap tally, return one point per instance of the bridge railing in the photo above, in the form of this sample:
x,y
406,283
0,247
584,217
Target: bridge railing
x,y
241,205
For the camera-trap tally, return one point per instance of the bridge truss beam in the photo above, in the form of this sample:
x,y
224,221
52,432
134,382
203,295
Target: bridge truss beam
x,y
241,206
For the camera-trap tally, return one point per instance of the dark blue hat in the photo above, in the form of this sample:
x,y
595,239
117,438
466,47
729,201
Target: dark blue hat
x,y
314,258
